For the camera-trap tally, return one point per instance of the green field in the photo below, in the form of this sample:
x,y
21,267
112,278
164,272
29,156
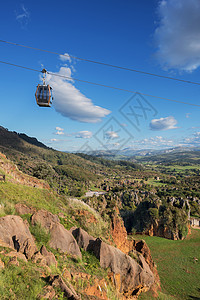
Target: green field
x,y
178,264
177,168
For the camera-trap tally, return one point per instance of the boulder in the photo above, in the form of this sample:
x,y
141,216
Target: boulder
x,y
16,234
45,218
67,289
17,255
82,237
22,209
62,239
44,257
49,256
135,276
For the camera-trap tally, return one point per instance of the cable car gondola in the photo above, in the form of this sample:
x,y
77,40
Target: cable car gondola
x,y
43,93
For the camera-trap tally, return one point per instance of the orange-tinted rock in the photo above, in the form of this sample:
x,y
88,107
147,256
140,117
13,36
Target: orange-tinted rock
x,y
89,216
135,277
141,247
97,289
119,234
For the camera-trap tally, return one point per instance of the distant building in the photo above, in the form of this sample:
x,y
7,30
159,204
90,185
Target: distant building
x,y
195,222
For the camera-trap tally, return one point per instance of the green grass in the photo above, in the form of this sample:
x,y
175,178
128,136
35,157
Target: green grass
x,y
151,181
179,272
38,198
20,282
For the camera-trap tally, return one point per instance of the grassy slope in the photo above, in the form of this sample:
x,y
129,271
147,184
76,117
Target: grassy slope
x,y
179,272
25,282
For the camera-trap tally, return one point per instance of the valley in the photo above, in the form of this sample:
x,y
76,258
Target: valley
x,y
126,207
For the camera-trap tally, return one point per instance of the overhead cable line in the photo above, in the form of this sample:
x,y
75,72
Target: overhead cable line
x,y
103,63
99,84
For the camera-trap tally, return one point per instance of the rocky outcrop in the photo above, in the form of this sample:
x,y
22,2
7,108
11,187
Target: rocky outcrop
x,y
45,218
97,289
17,176
22,209
131,274
15,233
44,257
83,239
119,234
134,276
141,247
120,239
157,229
17,255
67,289
62,239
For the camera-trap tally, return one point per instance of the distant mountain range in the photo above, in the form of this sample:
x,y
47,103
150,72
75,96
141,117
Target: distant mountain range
x,y
27,152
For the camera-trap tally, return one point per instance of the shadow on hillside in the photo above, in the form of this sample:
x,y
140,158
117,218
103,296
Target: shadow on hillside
x,y
194,297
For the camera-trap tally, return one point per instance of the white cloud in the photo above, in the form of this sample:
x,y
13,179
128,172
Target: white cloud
x,y
84,134
163,123
178,34
193,140
187,115
54,140
154,143
65,57
23,16
59,128
111,135
70,102
60,133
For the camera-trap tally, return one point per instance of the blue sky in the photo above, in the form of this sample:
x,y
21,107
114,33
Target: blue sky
x,y
161,37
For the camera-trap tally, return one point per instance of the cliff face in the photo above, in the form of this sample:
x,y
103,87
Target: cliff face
x,y
128,246
156,228
16,176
